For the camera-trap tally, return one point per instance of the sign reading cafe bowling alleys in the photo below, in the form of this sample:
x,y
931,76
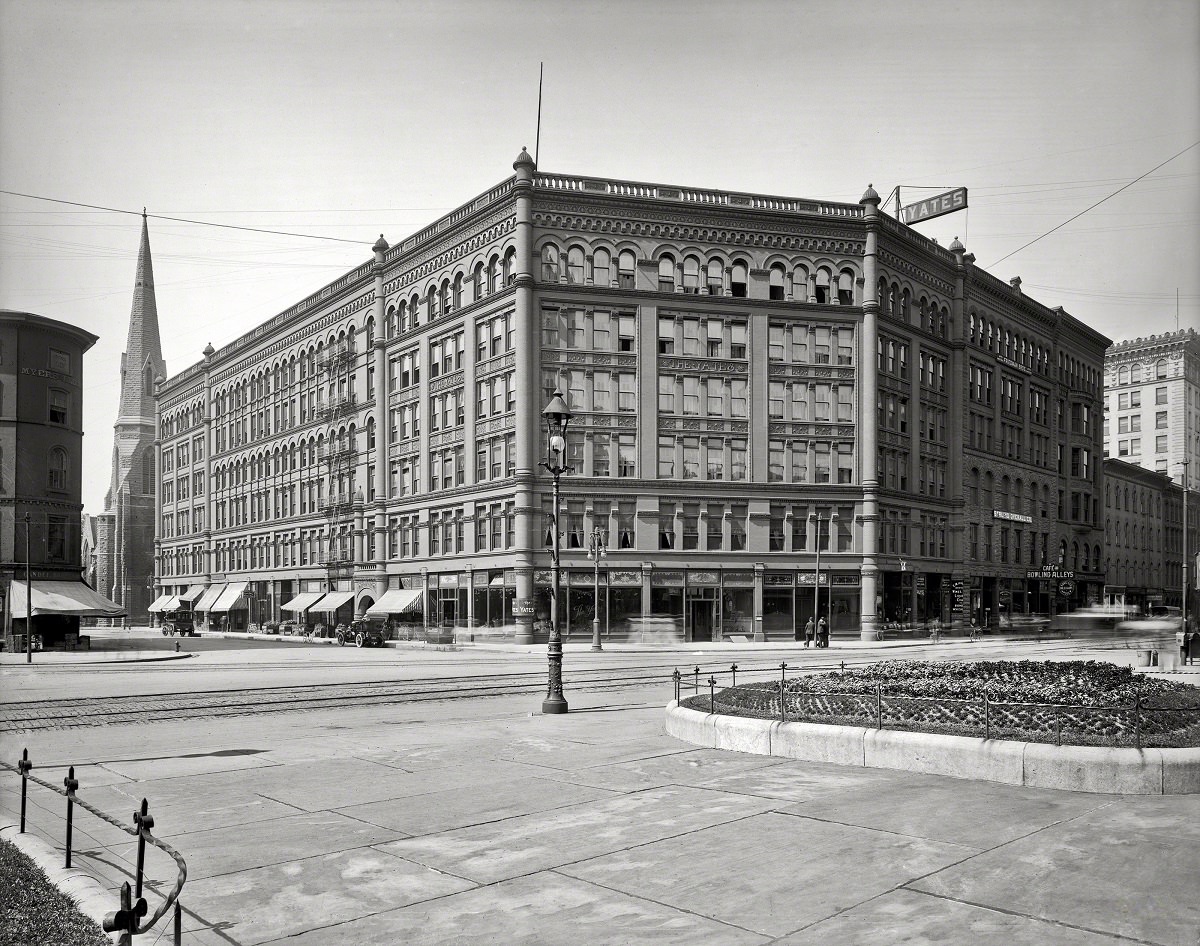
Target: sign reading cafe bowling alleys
x,y
935,206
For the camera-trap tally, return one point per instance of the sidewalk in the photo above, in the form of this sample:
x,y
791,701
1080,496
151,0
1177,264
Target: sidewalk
x,y
484,822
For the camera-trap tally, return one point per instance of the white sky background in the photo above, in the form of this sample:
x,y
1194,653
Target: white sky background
x,y
348,119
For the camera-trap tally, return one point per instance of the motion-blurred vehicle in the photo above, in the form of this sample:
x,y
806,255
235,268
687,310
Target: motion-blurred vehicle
x,y
1159,619
178,624
1093,621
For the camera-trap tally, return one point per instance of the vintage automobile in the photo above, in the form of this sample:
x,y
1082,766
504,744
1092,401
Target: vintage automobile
x,y
360,634
178,623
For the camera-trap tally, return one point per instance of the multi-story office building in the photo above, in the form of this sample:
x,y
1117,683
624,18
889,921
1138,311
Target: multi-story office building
x,y
1152,403
1142,530
41,468
753,380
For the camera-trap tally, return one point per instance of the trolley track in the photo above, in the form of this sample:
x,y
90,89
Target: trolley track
x,y
39,715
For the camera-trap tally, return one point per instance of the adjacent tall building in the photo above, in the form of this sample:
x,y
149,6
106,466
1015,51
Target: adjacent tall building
x,y
783,407
124,532
1152,403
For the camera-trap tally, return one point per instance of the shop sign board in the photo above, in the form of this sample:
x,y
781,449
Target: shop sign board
x,y
935,206
1010,516
958,592
1066,588
1049,574
524,607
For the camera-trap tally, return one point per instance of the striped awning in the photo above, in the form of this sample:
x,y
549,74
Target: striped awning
x,y
158,604
396,601
206,600
303,601
231,597
333,601
194,592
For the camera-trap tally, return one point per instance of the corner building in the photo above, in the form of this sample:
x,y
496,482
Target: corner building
x,y
753,380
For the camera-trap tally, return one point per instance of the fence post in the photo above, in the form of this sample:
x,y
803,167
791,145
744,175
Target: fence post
x,y
178,924
144,821
879,706
125,920
696,681
712,694
733,671
71,784
1137,720
1057,726
782,691
987,717
676,675
24,765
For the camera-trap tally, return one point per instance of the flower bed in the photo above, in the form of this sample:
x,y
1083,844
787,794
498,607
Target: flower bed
x,y
1071,702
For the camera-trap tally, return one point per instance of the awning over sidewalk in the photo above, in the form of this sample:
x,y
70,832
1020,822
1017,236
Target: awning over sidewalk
x,y
303,601
62,597
231,597
157,603
194,592
211,594
396,601
333,601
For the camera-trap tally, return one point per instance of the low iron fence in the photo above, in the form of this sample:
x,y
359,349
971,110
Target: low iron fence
x,y
1137,724
127,918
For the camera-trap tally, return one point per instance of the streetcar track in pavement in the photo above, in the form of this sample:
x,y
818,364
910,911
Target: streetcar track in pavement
x,y
35,715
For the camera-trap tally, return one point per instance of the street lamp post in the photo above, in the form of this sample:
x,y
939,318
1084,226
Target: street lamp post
x,y
597,550
1184,602
557,415
817,586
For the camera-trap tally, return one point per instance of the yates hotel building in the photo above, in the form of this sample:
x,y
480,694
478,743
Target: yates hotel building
x,y
757,384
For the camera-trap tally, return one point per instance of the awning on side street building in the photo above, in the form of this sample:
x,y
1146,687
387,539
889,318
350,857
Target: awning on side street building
x,y
230,597
303,601
333,601
165,603
208,598
396,601
72,598
194,592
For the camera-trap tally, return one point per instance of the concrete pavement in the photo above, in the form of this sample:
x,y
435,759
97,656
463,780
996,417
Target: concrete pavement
x,y
482,822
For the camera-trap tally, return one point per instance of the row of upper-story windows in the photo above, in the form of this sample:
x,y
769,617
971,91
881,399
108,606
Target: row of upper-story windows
x,y
1006,343
452,293
1135,374
701,274
926,314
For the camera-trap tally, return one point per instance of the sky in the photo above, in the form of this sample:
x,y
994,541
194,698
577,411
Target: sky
x,y
332,121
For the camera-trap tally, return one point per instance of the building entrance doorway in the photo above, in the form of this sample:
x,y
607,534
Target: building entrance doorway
x,y
702,617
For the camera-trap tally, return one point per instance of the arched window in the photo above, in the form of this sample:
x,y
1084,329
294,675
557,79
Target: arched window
x,y
777,278
477,282
57,468
845,292
456,299
550,263
737,281
821,287
625,269
691,275
510,266
799,284
666,273
495,273
602,268
1160,369
1123,374
575,274
714,277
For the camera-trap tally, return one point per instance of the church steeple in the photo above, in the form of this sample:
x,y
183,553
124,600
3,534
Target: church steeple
x,y
142,361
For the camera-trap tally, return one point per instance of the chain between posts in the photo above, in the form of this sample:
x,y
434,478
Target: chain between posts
x,y
126,919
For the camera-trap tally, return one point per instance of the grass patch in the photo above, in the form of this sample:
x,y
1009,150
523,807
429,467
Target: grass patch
x,y
33,910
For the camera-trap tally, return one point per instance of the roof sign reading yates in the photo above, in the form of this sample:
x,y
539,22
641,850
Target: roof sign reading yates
x,y
935,206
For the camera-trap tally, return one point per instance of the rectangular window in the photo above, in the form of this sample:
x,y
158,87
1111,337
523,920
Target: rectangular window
x,y
666,526
1160,395
666,336
666,394
1160,420
60,407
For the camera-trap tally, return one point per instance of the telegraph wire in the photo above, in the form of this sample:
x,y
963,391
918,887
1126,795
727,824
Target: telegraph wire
x,y
1095,205
199,223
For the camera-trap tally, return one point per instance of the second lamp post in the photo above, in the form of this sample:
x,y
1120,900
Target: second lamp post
x,y
597,549
557,415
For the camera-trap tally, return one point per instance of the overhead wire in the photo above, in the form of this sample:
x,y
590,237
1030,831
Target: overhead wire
x,y
1095,205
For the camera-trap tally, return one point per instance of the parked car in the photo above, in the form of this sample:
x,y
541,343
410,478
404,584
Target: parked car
x,y
360,634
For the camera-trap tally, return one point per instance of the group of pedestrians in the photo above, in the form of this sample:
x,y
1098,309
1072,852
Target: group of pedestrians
x,y
817,634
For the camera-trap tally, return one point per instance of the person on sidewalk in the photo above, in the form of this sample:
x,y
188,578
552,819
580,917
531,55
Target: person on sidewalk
x,y
808,632
822,633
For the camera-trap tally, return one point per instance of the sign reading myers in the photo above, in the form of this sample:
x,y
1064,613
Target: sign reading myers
x,y
936,206
1066,588
1010,516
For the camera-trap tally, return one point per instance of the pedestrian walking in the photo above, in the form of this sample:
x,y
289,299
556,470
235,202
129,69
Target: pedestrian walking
x,y
822,633
808,632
